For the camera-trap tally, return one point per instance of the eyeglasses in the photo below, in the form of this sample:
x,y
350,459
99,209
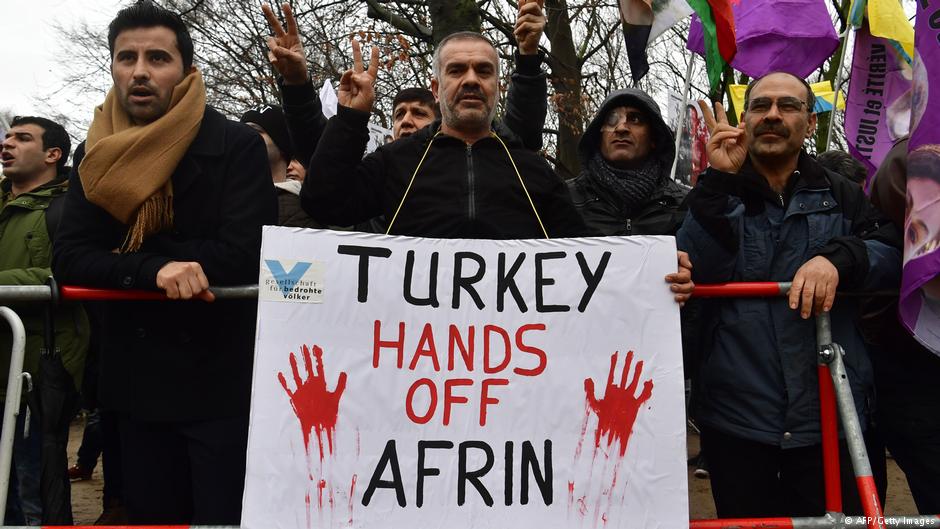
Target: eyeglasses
x,y
632,119
785,105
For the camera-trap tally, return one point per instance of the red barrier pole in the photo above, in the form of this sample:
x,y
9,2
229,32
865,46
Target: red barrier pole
x,y
741,290
743,523
70,293
140,527
73,293
830,440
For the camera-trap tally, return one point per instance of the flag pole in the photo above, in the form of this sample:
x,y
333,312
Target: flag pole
x,y
849,31
685,102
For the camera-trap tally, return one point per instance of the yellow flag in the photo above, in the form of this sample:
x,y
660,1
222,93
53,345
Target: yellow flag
x,y
822,90
886,19
737,97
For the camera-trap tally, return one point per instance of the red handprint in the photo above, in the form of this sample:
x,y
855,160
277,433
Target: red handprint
x,y
316,407
617,412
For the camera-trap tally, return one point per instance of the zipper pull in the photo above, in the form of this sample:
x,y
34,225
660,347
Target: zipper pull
x,y
629,226
780,197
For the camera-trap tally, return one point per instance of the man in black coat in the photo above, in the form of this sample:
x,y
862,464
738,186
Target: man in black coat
x,y
457,178
168,194
627,153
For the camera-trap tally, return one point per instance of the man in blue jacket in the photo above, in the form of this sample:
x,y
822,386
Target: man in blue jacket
x,y
766,211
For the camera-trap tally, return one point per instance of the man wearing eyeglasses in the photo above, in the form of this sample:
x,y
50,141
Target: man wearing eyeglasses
x,y
767,211
626,155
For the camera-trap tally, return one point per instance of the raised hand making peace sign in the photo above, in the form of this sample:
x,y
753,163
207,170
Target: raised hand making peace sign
x,y
727,145
285,50
357,86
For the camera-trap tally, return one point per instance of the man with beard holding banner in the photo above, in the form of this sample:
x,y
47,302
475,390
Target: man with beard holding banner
x,y
169,195
767,211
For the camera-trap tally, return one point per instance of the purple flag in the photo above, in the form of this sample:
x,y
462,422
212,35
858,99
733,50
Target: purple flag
x,y
920,285
794,36
877,110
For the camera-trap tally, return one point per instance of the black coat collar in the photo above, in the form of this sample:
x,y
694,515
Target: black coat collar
x,y
808,175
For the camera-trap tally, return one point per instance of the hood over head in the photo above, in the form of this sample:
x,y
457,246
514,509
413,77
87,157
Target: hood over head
x,y
665,149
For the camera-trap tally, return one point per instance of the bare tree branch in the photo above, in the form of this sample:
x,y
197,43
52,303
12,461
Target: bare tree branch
x,y
408,27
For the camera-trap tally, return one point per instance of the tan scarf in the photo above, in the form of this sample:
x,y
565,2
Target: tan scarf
x,y
127,167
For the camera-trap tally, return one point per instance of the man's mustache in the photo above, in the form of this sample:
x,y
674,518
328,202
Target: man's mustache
x,y
470,92
773,128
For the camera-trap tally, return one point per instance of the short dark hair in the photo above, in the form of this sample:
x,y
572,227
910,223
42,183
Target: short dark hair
x,y
460,35
417,95
53,136
844,164
146,14
810,97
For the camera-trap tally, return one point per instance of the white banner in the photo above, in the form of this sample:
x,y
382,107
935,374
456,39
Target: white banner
x,y
404,382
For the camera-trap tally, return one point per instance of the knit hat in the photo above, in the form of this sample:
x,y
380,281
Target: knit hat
x,y
271,119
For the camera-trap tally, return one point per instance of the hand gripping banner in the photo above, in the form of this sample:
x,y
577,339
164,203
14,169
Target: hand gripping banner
x,y
405,382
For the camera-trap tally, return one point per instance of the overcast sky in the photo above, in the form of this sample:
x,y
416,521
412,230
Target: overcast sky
x,y
31,46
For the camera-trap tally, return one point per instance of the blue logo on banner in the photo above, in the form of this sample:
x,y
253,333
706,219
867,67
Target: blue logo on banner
x,y
286,281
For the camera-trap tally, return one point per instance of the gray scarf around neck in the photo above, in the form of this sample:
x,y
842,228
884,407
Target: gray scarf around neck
x,y
630,187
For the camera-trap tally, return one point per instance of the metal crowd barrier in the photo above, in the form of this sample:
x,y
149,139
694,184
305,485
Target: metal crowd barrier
x,y
835,396
834,391
11,407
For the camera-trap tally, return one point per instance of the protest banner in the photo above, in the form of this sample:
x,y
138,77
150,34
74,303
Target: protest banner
x,y
877,111
404,382
920,292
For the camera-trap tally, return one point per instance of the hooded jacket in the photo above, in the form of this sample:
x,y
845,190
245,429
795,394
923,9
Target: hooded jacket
x,y
458,190
663,211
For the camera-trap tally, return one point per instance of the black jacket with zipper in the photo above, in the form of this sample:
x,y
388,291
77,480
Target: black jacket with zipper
x,y
459,190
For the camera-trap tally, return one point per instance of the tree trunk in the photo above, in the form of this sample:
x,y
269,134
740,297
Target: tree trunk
x,y
451,16
566,81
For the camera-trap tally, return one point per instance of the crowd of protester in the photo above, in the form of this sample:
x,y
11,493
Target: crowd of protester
x,y
168,194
